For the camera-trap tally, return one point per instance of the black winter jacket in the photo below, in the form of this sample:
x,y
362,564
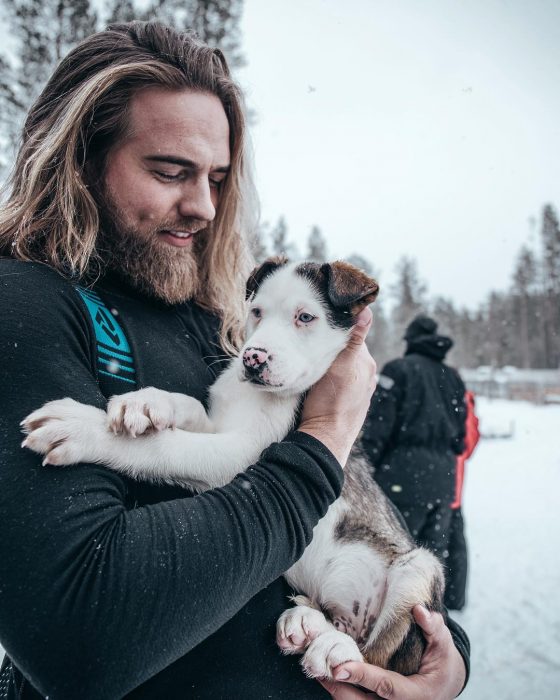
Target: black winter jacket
x,y
416,424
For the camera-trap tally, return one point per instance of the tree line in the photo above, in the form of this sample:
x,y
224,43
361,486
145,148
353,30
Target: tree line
x,y
519,326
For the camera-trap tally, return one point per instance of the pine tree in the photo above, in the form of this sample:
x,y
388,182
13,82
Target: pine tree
x,y
550,232
122,11
550,235
448,320
523,293
280,243
316,246
496,321
409,295
279,237
45,30
258,243
218,23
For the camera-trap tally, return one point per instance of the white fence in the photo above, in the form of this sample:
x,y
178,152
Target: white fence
x,y
536,385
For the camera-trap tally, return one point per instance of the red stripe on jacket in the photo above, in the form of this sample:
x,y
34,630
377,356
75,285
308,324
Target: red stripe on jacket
x,y
472,437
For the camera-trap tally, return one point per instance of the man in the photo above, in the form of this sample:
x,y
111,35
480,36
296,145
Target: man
x,y
132,178
414,431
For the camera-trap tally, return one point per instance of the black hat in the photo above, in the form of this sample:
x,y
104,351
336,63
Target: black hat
x,y
421,325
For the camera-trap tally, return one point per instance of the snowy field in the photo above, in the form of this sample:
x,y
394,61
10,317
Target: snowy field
x,y
511,505
512,516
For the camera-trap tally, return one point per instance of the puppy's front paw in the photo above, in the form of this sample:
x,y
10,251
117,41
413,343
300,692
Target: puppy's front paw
x,y
328,651
297,628
65,431
138,412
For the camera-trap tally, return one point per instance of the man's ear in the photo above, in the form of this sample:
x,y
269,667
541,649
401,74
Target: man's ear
x,y
347,286
259,273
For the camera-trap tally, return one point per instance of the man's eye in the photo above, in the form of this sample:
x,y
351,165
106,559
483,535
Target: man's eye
x,y
216,184
306,318
256,312
166,176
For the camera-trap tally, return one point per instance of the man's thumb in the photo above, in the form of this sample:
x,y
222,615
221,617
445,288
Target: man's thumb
x,y
368,677
361,327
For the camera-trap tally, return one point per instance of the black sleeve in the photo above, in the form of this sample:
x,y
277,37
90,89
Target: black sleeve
x,y
383,413
460,412
96,598
462,644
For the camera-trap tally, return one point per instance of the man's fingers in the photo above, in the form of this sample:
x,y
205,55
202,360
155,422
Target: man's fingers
x,y
386,684
341,691
431,623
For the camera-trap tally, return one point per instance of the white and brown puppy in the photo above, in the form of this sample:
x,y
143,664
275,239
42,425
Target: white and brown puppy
x,y
362,574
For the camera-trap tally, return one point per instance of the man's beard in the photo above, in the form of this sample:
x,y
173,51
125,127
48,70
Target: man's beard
x,y
155,268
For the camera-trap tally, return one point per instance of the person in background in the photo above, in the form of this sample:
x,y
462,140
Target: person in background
x,y
414,431
457,561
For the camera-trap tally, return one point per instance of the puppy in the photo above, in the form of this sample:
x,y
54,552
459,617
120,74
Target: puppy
x,y
362,574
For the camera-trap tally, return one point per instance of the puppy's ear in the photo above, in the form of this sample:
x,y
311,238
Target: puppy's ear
x,y
347,286
264,270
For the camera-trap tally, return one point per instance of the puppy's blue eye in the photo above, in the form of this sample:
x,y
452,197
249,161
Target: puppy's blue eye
x,y
306,318
256,312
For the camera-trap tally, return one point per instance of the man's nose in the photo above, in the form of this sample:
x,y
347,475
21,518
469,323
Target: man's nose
x,y
197,201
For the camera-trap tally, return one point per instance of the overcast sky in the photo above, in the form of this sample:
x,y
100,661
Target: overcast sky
x,y
428,128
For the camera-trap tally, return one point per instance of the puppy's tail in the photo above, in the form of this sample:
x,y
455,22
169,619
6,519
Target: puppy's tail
x,y
396,642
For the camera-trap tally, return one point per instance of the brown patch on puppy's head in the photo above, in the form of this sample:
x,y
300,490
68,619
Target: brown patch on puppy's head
x,y
261,272
347,286
345,289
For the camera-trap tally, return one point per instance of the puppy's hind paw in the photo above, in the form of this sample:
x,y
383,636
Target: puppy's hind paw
x,y
297,627
327,651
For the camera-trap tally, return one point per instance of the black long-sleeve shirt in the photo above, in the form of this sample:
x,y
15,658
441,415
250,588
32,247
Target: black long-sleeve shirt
x,y
113,588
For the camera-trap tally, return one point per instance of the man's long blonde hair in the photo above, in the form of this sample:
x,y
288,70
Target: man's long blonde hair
x,y
50,215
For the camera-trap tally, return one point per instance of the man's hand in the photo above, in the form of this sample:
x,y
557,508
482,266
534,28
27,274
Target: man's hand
x,y
336,407
441,675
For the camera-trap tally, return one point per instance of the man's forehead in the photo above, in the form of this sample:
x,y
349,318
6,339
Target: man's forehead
x,y
178,118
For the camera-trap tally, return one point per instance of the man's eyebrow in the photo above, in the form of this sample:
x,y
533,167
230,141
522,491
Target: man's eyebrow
x,y
183,162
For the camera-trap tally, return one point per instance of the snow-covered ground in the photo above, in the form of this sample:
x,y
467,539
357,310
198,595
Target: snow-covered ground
x,y
512,513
